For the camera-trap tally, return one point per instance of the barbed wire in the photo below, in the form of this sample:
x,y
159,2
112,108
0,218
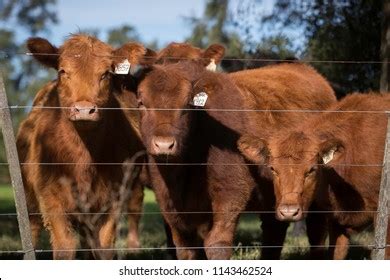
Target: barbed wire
x,y
4,55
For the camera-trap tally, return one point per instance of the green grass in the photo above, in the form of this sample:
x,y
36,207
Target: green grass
x,y
153,235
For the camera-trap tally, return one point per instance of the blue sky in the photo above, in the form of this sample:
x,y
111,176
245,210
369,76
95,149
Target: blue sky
x,y
154,19
161,20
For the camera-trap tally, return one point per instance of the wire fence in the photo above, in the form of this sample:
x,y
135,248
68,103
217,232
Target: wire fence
x,y
237,247
5,55
374,165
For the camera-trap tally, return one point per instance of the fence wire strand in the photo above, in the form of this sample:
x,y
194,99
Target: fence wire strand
x,y
4,55
13,107
190,212
237,247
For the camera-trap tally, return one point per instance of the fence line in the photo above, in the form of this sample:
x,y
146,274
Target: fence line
x,y
188,212
13,107
237,247
185,164
8,55
381,226
16,175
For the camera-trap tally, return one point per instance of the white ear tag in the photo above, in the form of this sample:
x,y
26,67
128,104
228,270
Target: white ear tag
x,y
122,68
199,99
212,66
326,158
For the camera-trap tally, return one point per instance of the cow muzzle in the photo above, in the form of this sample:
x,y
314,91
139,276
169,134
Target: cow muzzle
x,y
84,111
289,213
164,145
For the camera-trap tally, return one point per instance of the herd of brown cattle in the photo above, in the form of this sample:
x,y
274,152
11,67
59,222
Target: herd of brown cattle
x,y
273,139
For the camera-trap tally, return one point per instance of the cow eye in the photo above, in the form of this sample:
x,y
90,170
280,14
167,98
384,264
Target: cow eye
x,y
273,170
140,104
105,75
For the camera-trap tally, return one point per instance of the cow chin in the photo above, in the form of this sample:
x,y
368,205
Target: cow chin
x,y
85,124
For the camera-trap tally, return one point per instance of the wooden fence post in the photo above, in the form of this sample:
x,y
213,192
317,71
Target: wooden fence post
x,y
16,176
382,217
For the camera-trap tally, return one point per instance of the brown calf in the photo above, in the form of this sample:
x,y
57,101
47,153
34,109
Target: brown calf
x,y
197,167
74,142
330,149
175,52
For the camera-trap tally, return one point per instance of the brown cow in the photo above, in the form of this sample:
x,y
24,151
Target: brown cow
x,y
176,52
169,54
197,167
329,150
81,133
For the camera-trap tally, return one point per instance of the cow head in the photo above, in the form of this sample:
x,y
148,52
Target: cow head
x,y
295,162
164,95
85,69
175,52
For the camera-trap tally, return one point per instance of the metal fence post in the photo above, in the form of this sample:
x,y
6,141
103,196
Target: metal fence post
x,y
383,202
15,173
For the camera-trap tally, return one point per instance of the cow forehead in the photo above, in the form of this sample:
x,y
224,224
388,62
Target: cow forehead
x,y
294,161
166,84
82,52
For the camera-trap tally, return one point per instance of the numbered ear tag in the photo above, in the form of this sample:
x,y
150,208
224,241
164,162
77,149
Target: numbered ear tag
x,y
123,67
199,99
212,66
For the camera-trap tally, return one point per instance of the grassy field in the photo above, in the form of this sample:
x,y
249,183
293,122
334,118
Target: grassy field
x,y
153,235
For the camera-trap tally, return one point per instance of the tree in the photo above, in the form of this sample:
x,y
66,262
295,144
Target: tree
x,y
347,30
215,27
121,35
22,77
232,27
385,48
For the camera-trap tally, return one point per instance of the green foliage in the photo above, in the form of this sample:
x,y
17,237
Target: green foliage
x,y
215,27
33,15
121,35
338,30
22,76
233,27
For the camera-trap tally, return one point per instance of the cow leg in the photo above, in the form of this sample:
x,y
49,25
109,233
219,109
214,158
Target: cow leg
x,y
230,189
274,233
36,227
183,242
62,236
338,242
107,239
219,241
170,244
135,210
317,231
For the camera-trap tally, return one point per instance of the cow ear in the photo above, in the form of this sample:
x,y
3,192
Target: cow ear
x,y
133,52
331,151
43,51
213,56
254,149
149,58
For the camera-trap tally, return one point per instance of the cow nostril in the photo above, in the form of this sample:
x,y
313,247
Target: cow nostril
x,y
92,111
297,212
172,145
